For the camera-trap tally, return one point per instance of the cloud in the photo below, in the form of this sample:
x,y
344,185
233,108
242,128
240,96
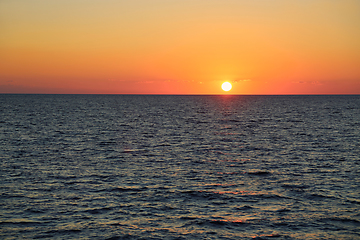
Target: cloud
x,y
242,80
308,82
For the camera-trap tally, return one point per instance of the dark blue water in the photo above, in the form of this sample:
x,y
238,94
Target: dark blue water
x,y
179,167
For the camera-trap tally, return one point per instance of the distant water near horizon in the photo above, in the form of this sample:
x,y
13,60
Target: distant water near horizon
x,y
179,167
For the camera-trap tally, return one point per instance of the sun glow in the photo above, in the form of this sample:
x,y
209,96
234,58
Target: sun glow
x,y
226,86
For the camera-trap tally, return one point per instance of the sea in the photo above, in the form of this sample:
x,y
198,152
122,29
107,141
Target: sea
x,y
179,167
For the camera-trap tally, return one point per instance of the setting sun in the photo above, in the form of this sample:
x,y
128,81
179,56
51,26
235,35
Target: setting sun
x,y
226,86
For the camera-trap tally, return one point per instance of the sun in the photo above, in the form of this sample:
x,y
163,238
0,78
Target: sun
x,y
226,86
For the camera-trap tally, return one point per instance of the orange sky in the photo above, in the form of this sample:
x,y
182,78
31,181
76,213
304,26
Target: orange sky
x,y
180,47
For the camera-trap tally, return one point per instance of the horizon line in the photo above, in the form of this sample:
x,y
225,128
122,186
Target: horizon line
x,y
162,94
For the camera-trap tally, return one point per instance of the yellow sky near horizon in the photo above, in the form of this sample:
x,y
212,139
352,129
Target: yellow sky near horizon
x,y
180,47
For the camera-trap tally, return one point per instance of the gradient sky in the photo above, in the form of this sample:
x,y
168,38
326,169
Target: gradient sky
x,y
180,46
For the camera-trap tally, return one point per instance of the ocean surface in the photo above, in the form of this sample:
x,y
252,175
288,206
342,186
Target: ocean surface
x,y
179,167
